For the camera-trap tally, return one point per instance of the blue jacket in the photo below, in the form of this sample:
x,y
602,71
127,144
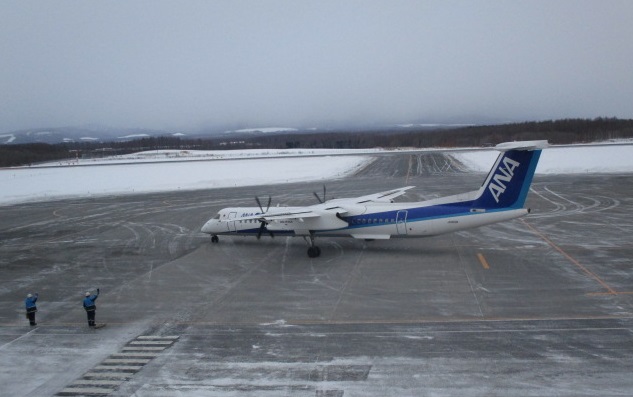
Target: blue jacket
x,y
30,302
89,301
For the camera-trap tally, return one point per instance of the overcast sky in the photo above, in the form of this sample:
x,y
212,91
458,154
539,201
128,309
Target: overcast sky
x,y
187,65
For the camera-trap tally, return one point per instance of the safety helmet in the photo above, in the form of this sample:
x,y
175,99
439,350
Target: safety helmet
x,y
29,296
88,293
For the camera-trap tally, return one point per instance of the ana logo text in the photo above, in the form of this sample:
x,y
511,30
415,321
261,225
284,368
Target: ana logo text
x,y
498,183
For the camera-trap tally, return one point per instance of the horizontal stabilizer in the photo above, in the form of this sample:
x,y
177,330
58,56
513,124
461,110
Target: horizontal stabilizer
x,y
522,145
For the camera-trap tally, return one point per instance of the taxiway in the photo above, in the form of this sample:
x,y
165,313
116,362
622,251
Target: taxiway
x,y
538,306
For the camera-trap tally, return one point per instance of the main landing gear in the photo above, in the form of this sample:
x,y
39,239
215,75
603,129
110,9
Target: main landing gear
x,y
214,239
313,250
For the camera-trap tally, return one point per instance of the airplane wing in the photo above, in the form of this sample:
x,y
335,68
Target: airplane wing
x,y
326,215
288,215
302,220
382,197
293,214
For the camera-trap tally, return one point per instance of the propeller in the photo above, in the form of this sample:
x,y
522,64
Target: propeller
x,y
319,198
262,225
260,204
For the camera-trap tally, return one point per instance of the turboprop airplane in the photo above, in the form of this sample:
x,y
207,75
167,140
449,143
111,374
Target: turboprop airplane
x,y
376,217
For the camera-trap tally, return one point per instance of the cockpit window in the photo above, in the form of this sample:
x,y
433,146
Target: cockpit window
x,y
217,216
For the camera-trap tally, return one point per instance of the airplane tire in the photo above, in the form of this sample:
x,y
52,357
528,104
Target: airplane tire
x,y
214,239
314,252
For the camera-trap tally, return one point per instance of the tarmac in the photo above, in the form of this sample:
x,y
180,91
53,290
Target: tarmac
x,y
540,306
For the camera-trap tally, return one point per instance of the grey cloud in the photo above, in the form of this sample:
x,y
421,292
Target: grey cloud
x,y
159,64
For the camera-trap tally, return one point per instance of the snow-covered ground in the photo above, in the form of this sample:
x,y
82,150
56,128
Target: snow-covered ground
x,y
578,159
153,156
37,184
155,171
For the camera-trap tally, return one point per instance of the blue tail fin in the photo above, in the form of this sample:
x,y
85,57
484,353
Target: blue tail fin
x,y
509,180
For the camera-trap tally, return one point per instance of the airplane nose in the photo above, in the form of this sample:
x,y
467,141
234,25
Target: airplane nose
x,y
207,228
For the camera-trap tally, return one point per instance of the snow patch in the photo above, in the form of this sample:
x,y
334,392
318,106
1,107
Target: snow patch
x,y
267,129
576,159
152,171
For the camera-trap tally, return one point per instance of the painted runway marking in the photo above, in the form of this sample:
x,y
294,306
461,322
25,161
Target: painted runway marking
x,y
97,382
20,337
118,368
135,354
571,259
483,261
152,337
108,375
104,378
143,348
152,343
127,361
85,391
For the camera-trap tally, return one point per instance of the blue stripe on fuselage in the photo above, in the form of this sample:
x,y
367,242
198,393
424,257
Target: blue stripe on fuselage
x,y
414,214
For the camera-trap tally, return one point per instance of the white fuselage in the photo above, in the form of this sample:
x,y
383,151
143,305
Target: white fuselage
x,y
366,221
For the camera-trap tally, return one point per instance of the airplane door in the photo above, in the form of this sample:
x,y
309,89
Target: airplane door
x,y
231,225
401,222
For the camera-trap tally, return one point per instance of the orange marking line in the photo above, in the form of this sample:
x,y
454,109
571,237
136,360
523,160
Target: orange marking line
x,y
608,293
483,261
572,260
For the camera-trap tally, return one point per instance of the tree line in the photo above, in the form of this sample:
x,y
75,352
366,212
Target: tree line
x,y
557,132
564,131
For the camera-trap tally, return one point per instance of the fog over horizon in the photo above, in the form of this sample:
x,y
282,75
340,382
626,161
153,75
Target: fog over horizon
x,y
207,64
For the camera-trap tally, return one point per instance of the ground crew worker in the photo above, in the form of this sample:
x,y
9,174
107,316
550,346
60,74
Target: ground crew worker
x,y
29,302
91,308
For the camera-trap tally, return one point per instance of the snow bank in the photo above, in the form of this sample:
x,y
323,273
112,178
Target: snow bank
x,y
564,160
146,175
38,184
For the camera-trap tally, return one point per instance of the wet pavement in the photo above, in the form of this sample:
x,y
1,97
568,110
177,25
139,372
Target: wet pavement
x,y
537,306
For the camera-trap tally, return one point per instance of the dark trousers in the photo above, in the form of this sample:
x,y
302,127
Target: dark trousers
x,y
91,317
31,316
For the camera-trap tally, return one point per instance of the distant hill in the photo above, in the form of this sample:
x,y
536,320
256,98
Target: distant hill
x,y
76,134
95,134
33,146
